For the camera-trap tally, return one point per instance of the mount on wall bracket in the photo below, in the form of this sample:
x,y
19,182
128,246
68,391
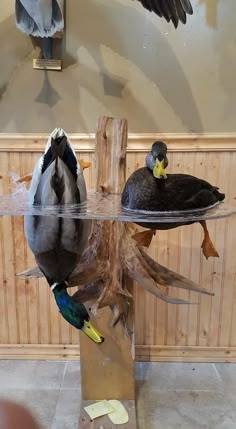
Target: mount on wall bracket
x,y
47,47
43,21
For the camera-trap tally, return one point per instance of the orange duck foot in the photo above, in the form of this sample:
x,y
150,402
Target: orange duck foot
x,y
144,238
84,164
208,247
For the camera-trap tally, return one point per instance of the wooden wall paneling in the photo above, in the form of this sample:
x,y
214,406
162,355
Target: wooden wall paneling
x,y
27,160
18,248
229,259
4,327
231,228
218,269
8,261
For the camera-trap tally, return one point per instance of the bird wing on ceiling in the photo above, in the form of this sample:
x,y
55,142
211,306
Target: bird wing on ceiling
x,y
171,10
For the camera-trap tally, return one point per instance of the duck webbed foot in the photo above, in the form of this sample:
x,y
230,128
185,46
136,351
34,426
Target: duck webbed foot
x,y
208,247
144,238
25,178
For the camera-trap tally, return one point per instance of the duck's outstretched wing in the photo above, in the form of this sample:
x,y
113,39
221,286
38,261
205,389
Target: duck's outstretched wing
x,y
171,10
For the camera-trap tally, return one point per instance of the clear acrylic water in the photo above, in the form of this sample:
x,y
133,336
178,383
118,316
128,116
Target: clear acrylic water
x,y
107,207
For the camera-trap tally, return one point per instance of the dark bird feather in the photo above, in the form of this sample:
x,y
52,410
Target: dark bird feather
x,y
171,10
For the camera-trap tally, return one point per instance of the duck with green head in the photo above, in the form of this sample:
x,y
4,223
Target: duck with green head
x,y
58,243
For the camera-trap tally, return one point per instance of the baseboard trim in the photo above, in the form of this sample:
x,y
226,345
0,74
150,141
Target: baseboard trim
x,y
189,142
39,351
143,353
185,354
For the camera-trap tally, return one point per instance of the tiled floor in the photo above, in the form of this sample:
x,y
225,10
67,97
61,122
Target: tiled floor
x,y
169,395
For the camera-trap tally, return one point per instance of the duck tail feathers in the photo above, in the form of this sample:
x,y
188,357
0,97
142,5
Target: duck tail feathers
x,y
58,146
219,195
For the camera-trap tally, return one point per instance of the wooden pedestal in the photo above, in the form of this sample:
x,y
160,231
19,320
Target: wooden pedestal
x,y
107,370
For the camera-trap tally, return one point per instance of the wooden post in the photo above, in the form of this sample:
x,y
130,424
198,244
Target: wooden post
x,y
107,370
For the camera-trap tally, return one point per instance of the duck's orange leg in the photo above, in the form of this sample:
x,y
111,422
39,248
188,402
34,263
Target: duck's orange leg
x,y
25,178
84,164
144,238
208,247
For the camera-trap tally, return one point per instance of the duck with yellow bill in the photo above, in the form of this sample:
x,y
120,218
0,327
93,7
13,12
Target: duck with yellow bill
x,y
56,242
151,189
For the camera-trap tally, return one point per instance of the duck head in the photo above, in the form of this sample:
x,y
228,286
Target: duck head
x,y
157,161
74,312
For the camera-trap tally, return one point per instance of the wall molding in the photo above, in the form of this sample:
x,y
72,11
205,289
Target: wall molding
x,y
143,353
190,142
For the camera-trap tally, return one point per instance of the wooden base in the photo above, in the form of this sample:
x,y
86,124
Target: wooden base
x,y
107,369
104,422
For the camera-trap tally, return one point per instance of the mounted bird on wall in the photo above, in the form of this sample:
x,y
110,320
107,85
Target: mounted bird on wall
x,y
44,19
59,243
40,18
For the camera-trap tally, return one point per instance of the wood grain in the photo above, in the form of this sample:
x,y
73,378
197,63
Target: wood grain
x,y
113,358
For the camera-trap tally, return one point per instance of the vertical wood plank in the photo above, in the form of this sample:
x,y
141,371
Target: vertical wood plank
x,y
19,261
4,326
227,296
31,286
219,162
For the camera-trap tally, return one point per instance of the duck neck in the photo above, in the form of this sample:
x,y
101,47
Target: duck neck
x,y
60,293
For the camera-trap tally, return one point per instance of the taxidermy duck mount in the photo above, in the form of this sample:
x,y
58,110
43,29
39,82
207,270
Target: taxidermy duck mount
x,y
58,243
151,189
113,247
44,22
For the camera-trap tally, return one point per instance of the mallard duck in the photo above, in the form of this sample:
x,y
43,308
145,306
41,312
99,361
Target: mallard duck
x,y
150,188
171,10
58,243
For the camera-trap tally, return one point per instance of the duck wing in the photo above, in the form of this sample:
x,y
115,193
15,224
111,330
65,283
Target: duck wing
x,y
171,10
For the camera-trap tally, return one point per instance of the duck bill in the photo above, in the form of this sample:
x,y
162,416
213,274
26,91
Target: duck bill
x,y
91,332
159,170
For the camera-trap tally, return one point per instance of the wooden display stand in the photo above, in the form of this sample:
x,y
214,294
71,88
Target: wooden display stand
x,y
107,370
